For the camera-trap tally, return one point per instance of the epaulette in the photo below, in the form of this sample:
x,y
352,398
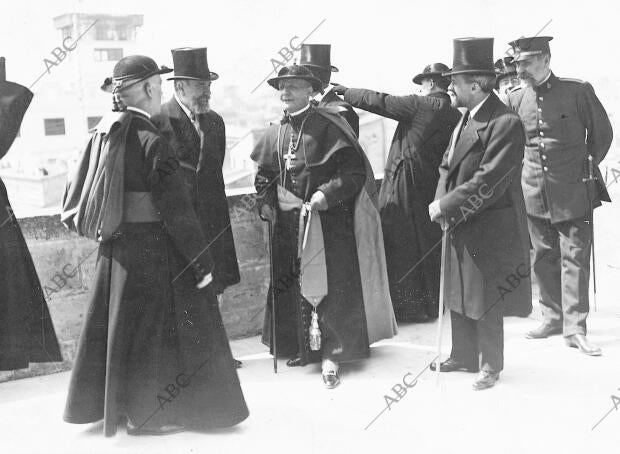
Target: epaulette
x,y
575,81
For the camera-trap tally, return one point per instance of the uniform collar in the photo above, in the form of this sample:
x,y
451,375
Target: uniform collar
x,y
140,111
292,117
546,84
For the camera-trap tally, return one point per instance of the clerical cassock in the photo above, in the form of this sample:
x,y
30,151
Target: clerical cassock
x,y
316,150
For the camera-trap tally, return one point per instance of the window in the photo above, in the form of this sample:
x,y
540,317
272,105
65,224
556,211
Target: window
x,y
109,30
91,122
108,54
66,31
54,126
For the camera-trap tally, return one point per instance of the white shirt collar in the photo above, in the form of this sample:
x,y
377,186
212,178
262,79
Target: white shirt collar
x,y
300,111
319,96
473,111
184,107
135,109
545,79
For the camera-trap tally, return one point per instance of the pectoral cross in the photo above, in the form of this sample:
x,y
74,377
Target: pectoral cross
x,y
290,156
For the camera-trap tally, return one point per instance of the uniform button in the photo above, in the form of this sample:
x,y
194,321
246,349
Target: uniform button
x,y
541,134
539,109
542,144
540,98
544,157
540,122
545,168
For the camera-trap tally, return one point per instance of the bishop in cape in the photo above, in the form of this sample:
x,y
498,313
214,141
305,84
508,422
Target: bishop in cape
x,y
316,186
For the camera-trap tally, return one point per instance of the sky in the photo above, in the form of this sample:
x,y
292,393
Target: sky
x,y
379,45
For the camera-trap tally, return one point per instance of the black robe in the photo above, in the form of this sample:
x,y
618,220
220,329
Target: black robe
x,y
26,331
342,319
412,241
202,162
153,347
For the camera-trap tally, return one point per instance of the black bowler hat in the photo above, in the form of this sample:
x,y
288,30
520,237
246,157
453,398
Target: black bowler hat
x,y
472,56
296,72
432,71
135,68
317,56
528,47
190,63
504,67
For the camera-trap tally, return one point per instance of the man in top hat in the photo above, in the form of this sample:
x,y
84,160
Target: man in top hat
x,y
26,330
315,187
198,137
153,350
507,78
566,125
425,123
476,203
317,58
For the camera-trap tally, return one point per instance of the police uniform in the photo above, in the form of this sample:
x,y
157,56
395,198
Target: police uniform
x,y
564,123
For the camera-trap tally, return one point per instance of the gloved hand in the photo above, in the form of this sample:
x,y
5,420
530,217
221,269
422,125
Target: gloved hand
x,y
339,89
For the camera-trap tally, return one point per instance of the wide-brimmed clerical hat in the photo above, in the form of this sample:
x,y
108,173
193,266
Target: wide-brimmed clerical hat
x,y
134,68
432,71
525,48
472,56
317,56
295,72
191,63
504,67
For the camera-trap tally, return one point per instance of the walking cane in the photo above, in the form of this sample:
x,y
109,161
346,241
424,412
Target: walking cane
x,y
2,69
273,300
586,181
442,294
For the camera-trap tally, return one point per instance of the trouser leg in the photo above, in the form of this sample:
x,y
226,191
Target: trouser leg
x,y
464,345
490,329
547,268
575,242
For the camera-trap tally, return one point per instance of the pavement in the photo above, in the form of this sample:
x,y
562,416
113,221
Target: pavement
x,y
550,398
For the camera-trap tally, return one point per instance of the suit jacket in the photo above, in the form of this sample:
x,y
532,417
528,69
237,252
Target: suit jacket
x,y
479,192
564,122
331,99
201,167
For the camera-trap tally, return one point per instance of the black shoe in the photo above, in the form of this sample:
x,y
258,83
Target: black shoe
x,y
331,379
237,363
295,362
451,365
543,331
579,341
485,380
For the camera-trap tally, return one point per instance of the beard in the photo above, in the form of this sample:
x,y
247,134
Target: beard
x,y
202,105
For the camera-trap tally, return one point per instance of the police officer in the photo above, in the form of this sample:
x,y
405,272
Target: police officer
x,y
565,123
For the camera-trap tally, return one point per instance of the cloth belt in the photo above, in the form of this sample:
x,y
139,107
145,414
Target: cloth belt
x,y
310,247
139,207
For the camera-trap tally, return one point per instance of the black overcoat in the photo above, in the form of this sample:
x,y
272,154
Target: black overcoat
x,y
201,167
411,240
480,196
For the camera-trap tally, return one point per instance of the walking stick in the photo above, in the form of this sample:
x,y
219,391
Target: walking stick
x,y
273,300
587,181
442,294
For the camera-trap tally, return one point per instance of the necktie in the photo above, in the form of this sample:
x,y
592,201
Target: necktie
x,y
458,135
196,122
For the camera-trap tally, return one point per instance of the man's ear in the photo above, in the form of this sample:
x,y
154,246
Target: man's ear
x,y
148,89
179,87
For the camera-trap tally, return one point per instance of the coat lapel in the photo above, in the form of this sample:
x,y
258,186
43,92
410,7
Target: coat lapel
x,y
183,128
471,135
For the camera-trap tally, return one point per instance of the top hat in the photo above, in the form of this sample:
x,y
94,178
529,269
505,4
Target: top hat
x,y
529,47
296,72
432,71
317,56
135,68
504,67
190,63
472,56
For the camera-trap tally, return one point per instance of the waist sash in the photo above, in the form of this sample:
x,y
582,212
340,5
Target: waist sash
x,y
310,247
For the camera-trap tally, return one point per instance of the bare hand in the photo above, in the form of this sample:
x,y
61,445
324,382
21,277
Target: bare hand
x,y
267,213
318,201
